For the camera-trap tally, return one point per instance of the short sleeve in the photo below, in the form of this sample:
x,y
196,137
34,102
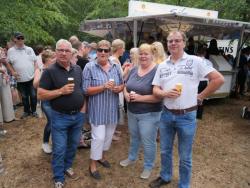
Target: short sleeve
x,y
156,80
46,81
86,78
204,68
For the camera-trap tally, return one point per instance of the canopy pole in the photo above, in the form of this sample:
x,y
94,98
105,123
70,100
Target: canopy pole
x,y
135,33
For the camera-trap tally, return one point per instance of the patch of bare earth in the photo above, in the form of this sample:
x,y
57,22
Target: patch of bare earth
x,y
221,155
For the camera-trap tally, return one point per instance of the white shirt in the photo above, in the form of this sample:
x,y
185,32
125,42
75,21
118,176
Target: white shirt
x,y
22,60
189,70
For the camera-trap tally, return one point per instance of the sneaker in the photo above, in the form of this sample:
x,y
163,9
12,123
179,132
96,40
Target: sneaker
x,y
25,114
59,184
243,112
46,148
126,162
34,114
145,174
2,132
71,174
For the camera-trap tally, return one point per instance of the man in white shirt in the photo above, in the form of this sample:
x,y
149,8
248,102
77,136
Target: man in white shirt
x,y
179,113
22,62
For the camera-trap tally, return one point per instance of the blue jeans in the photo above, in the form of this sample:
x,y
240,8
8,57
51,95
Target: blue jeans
x,y
185,127
66,130
143,130
28,93
48,112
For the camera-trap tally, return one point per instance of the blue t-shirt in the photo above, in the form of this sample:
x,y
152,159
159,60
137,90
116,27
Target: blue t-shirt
x,y
143,86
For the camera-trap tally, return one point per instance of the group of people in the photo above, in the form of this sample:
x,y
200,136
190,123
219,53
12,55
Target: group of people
x,y
74,88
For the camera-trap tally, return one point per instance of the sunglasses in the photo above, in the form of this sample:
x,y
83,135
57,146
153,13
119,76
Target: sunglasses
x,y
102,50
20,38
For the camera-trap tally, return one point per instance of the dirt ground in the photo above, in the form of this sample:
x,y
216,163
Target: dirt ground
x,y
221,154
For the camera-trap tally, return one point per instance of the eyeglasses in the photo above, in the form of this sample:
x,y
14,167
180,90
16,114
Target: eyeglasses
x,y
175,41
20,38
102,50
63,50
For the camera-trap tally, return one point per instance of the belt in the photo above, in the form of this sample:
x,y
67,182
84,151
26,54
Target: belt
x,y
181,111
72,112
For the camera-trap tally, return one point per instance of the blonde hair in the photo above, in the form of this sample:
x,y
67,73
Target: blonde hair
x,y
135,59
103,43
116,44
74,51
158,52
47,54
145,47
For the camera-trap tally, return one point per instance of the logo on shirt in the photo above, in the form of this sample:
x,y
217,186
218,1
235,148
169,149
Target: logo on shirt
x,y
165,72
187,68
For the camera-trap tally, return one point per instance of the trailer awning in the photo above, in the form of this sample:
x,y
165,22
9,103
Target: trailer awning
x,y
166,22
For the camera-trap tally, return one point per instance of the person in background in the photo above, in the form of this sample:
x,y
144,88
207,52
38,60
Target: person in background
x,y
13,83
74,56
158,52
61,84
22,63
73,39
92,52
82,59
176,82
47,59
38,51
144,110
201,52
117,50
213,48
102,83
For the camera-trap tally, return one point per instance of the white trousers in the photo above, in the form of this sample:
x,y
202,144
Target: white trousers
x,y
101,140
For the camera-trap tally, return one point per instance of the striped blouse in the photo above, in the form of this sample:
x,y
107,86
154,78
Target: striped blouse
x,y
102,107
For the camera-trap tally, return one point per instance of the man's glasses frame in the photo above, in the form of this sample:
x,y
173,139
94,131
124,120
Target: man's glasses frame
x,y
64,50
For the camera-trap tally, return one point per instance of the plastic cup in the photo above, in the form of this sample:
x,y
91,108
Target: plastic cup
x,y
178,87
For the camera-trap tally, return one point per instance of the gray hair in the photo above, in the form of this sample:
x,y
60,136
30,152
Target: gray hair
x,y
61,41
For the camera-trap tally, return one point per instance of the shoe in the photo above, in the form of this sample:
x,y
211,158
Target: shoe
x,y
71,174
83,145
34,114
46,148
126,162
158,183
96,175
243,112
2,132
59,184
25,114
104,163
145,174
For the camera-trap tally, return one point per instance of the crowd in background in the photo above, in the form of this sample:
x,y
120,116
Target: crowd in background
x,y
106,70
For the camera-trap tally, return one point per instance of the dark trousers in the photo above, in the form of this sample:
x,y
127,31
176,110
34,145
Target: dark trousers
x,y
241,80
201,87
28,93
48,113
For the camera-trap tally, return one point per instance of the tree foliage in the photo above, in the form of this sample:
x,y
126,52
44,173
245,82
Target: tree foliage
x,y
45,21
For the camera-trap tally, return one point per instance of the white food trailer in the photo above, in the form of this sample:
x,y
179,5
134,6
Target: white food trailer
x,y
157,20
